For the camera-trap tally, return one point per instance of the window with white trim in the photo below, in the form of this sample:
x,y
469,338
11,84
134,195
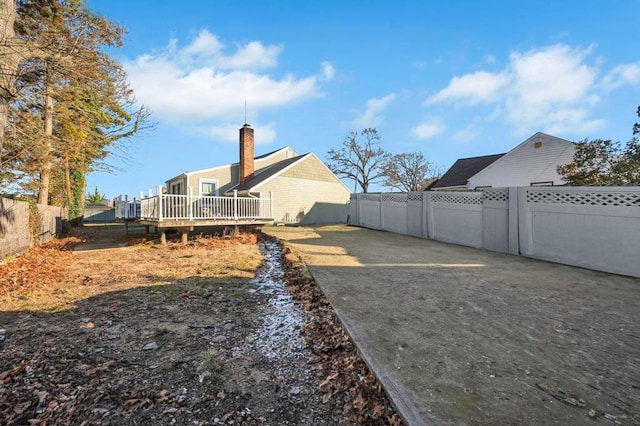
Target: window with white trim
x,y
208,187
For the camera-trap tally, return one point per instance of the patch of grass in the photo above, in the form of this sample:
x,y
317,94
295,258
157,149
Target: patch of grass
x,y
212,366
8,259
161,331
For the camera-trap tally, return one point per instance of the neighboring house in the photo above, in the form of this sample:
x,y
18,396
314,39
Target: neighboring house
x,y
98,212
456,178
532,163
304,189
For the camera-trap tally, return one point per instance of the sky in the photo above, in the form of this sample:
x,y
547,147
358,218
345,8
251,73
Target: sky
x,y
450,79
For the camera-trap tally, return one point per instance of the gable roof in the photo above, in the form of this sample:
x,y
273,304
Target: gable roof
x,y
259,157
463,169
267,173
270,172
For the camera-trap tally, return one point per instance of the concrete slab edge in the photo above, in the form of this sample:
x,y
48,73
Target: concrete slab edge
x,y
399,397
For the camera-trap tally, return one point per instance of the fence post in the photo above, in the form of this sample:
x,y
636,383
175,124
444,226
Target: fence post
x,y
423,215
271,215
430,221
514,244
235,204
381,221
159,189
189,202
524,223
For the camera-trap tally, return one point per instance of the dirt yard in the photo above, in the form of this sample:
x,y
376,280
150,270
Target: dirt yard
x,y
103,328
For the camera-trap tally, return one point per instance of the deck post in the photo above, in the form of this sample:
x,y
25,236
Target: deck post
x,y
185,236
159,189
235,204
163,237
271,204
190,204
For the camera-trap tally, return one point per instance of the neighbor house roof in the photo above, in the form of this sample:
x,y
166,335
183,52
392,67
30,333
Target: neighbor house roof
x,y
267,173
463,169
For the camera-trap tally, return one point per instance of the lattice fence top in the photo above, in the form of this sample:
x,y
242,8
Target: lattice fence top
x,y
416,196
501,194
462,198
394,197
592,198
369,197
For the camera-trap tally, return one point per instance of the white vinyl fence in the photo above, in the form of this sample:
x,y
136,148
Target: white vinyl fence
x,y
592,227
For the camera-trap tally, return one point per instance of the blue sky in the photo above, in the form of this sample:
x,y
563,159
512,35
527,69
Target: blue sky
x,y
449,79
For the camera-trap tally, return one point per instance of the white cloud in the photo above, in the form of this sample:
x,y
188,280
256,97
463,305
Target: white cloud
x,y
229,132
627,74
200,81
328,70
550,89
466,134
471,89
371,116
427,129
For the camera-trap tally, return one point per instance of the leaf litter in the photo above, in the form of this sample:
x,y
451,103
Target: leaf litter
x,y
178,334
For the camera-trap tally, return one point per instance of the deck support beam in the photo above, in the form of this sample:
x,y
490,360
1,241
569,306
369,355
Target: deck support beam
x,y
185,235
163,237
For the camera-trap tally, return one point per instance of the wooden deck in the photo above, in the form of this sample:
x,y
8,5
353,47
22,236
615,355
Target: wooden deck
x,y
188,211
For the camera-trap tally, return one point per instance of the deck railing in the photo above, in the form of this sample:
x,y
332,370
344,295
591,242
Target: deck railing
x,y
162,207
125,208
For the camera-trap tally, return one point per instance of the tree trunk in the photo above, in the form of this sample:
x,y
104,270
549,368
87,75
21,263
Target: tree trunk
x,y
45,171
67,182
9,59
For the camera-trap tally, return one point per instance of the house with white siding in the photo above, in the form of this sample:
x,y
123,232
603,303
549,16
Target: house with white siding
x,y
302,187
534,162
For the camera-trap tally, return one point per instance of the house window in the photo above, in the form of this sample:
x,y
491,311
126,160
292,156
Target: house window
x,y
208,187
176,188
546,183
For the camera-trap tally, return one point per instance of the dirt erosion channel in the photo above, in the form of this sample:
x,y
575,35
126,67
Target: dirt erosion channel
x,y
114,329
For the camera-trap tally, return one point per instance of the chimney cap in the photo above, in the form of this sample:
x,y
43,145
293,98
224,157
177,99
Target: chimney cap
x,y
246,125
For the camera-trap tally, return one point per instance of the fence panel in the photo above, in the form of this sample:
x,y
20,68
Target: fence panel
x,y
457,217
597,228
370,211
394,212
495,220
415,222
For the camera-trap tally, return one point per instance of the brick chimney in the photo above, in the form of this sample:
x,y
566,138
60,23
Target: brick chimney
x,y
246,169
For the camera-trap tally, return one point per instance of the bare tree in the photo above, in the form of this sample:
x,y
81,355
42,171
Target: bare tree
x,y
409,172
360,161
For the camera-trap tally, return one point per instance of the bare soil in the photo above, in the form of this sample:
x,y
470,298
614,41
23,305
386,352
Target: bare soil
x,y
123,331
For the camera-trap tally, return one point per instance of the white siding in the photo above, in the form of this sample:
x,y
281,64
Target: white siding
x,y
526,164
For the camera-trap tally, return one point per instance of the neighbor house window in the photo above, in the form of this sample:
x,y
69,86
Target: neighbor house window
x,y
176,188
208,187
547,183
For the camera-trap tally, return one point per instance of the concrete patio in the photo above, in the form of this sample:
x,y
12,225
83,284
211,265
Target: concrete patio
x,y
466,336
